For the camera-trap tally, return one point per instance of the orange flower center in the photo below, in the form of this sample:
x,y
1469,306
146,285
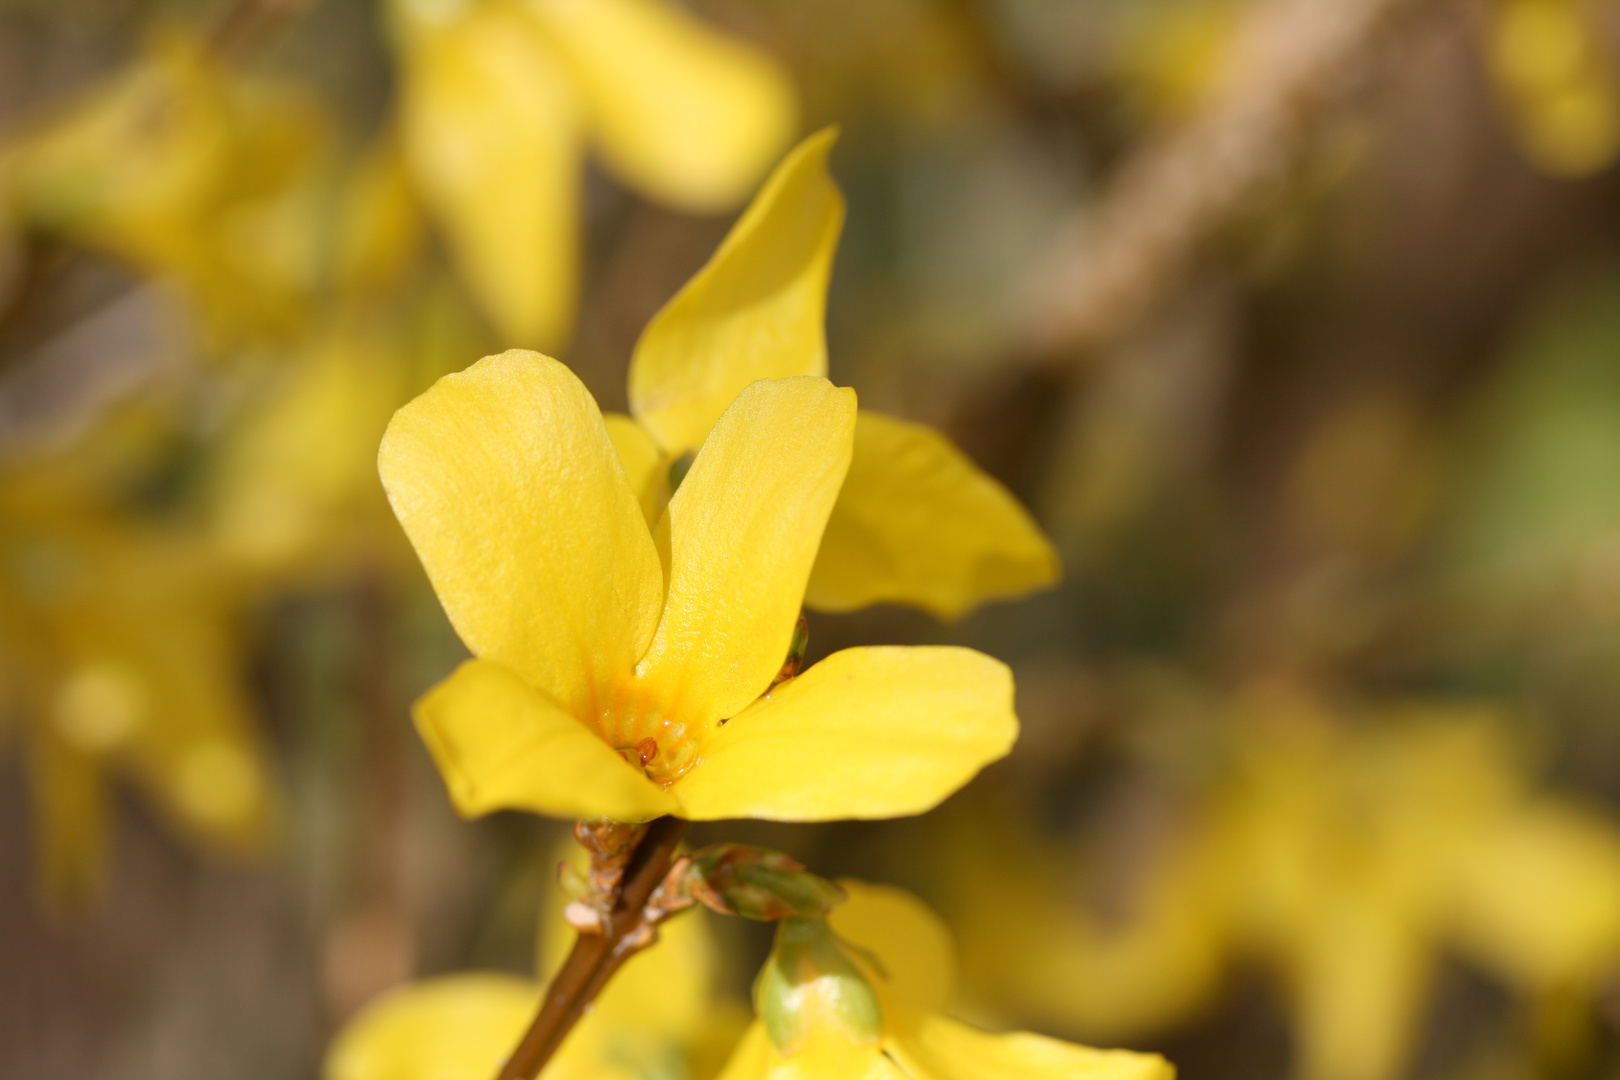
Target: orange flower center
x,y
647,733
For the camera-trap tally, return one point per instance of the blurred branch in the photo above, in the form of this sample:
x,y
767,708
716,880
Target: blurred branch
x,y
250,25
1119,257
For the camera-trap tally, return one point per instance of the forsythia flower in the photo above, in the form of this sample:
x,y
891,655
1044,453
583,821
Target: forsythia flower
x,y
1557,77
660,1012
621,676
1347,861
915,522
499,97
859,996
116,653
627,638
188,172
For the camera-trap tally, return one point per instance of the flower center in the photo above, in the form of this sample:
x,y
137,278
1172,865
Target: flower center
x,y
647,734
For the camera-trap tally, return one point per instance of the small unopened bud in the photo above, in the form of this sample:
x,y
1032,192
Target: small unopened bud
x,y
758,884
678,470
809,982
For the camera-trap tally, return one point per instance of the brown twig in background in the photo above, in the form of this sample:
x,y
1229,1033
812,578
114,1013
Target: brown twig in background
x,y
597,955
250,25
1118,258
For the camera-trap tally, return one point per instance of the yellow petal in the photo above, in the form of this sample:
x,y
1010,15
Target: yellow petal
x,y
918,523
502,745
1541,898
1360,977
935,1048
459,1027
685,114
826,1056
491,133
643,463
867,733
757,310
914,945
743,533
508,486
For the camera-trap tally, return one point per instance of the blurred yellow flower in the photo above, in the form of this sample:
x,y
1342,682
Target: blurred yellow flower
x,y
658,1017
190,172
916,522
625,676
499,97
818,1019
117,650
1346,859
1559,83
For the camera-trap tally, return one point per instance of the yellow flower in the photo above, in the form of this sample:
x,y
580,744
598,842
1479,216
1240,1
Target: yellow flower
x,y
915,522
1558,81
115,644
499,97
1347,860
625,677
658,1017
187,172
819,1019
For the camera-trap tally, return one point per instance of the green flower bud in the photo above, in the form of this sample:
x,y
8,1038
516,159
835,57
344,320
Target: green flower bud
x,y
809,981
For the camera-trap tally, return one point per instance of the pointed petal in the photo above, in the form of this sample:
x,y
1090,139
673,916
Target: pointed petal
x,y
502,745
757,310
931,1047
458,1027
507,484
643,463
867,733
918,523
491,132
681,112
743,533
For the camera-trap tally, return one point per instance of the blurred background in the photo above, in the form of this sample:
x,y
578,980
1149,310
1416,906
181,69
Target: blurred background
x,y
1296,323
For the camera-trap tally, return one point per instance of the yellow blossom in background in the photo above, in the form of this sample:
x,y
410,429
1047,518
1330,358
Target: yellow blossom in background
x,y
189,172
916,522
621,676
820,1022
1348,860
500,98
117,646
1558,81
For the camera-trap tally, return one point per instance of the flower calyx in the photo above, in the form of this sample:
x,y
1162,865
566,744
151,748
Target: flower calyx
x,y
750,882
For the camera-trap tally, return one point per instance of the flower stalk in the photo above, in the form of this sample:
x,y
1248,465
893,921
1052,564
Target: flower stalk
x,y
623,930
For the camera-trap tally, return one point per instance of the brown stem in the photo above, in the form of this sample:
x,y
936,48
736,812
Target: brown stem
x,y
596,956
